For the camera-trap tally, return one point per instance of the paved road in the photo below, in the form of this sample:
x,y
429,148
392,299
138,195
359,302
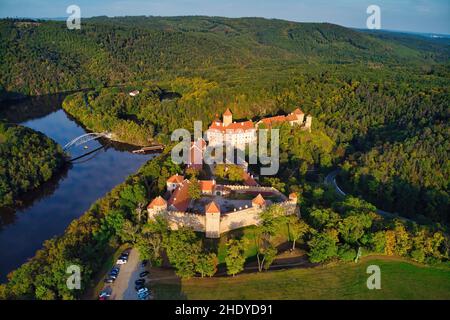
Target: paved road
x,y
123,287
330,179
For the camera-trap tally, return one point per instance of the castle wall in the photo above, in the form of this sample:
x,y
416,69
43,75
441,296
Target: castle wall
x,y
216,224
179,219
239,219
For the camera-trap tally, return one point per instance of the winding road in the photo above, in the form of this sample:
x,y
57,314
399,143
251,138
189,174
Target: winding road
x,y
330,179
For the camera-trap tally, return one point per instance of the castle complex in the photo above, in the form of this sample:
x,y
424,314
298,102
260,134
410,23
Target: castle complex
x,y
224,207
221,207
240,133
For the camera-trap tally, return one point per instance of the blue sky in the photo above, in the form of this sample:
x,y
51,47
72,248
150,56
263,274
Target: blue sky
x,y
406,15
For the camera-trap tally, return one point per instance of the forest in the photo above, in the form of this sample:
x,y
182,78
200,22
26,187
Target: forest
x,y
379,100
331,229
381,97
390,136
27,160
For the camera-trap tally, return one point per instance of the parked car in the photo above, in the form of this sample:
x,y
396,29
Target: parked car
x,y
105,293
109,280
139,281
121,261
144,263
114,271
143,296
144,274
116,268
139,287
142,290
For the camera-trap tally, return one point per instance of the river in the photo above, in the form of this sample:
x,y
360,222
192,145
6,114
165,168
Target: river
x,y
48,211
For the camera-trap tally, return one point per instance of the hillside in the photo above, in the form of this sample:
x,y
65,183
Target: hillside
x,y
46,57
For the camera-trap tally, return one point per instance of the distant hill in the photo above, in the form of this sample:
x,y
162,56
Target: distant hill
x,y
44,56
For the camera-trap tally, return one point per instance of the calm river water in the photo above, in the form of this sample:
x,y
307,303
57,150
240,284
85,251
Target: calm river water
x,y
49,210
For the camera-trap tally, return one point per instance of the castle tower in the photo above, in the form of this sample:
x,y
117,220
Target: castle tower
x,y
155,207
293,199
259,202
227,118
300,115
308,122
212,227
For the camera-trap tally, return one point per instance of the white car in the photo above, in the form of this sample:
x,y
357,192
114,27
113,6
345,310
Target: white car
x,y
121,261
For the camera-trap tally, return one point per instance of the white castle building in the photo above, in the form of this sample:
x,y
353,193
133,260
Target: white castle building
x,y
232,133
238,134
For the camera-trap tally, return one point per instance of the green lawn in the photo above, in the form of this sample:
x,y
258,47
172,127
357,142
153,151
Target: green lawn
x,y
248,234
400,279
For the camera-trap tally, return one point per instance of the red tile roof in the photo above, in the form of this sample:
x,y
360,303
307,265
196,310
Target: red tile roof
x,y
244,125
268,121
259,200
207,185
176,179
212,208
180,198
216,125
248,180
235,126
157,202
227,112
297,111
292,117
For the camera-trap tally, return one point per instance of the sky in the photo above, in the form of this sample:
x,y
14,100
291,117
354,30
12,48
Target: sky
x,y
431,16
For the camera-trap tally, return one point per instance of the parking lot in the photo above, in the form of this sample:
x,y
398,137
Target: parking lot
x,y
123,287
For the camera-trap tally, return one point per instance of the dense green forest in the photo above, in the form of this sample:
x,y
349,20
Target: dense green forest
x,y
379,101
44,56
377,95
27,159
332,229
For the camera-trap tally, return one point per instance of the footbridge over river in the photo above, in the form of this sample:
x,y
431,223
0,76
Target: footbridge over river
x,y
86,138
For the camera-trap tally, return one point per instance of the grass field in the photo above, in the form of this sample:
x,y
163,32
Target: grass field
x,y
400,279
248,234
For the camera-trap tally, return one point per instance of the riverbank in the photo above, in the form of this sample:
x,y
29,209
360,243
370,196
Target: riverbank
x,y
86,242
113,110
47,211
22,173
